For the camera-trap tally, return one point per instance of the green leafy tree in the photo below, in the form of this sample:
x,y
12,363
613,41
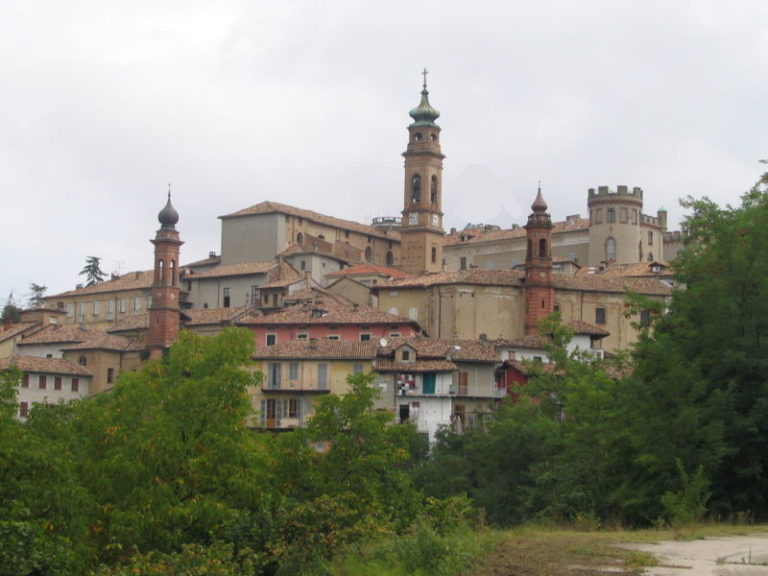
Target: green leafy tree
x,y
11,311
92,271
699,395
167,454
37,295
343,479
43,509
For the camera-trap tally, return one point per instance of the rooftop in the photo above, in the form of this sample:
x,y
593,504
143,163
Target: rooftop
x,y
269,207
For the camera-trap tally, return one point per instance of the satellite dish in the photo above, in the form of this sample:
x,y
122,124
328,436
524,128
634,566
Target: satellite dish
x,y
383,342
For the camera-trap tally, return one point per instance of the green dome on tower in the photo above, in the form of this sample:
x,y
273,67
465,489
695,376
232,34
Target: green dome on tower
x,y
424,114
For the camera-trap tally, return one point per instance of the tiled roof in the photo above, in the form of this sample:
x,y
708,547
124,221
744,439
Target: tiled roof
x,y
16,329
389,365
527,342
638,269
44,365
458,350
239,269
318,349
128,281
616,284
328,310
205,316
130,323
581,327
76,337
62,333
480,236
367,270
269,207
282,283
106,342
474,276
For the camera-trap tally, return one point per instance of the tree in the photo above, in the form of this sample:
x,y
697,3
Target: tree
x,y
167,454
11,311
700,394
92,271
37,296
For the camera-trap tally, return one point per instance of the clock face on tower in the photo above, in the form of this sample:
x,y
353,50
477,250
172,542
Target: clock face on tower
x,y
413,218
435,220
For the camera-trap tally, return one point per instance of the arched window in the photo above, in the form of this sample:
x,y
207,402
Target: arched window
x,y
161,271
610,250
530,249
433,191
417,136
300,239
368,253
543,248
415,189
434,255
390,258
173,278
83,361
650,256
610,215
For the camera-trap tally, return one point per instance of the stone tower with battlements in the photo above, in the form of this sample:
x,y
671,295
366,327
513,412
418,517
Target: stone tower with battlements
x,y
619,232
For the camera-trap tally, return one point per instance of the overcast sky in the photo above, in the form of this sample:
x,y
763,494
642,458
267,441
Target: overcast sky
x,y
103,103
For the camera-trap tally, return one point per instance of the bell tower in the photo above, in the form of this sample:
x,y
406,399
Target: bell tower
x,y
421,247
539,290
165,313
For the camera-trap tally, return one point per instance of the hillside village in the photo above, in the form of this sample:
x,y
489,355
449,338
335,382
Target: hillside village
x,y
442,318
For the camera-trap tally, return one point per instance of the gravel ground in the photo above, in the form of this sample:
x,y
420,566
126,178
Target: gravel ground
x,y
717,556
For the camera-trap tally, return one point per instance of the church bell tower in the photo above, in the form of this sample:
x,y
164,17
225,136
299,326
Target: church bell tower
x,y
165,312
539,289
421,247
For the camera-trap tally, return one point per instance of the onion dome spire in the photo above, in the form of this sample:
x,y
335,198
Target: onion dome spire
x,y
424,114
168,216
539,205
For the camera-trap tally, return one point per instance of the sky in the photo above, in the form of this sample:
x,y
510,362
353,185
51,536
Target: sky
x,y
103,105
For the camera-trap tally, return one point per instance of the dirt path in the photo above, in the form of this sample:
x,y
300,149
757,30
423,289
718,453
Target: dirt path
x,y
721,556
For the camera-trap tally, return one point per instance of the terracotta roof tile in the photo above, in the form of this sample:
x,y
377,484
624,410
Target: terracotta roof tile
x,y
318,349
615,284
44,365
474,276
389,365
581,327
458,350
15,329
205,316
328,310
76,337
367,270
637,269
269,207
239,269
128,281
527,342
130,323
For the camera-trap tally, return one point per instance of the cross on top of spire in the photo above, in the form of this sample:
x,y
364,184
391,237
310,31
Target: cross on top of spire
x,y
424,73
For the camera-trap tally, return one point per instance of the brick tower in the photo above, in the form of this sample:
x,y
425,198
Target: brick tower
x,y
421,247
165,313
539,292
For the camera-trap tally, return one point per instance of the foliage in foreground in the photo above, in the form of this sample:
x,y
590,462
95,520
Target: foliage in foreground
x,y
683,435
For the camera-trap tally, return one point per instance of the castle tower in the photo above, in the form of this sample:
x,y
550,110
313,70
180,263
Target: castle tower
x,y
421,246
619,232
539,291
165,313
